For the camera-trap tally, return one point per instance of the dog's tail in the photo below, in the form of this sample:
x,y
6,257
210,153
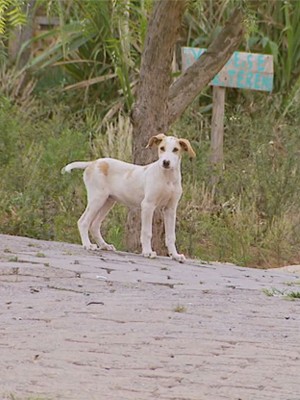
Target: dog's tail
x,y
76,165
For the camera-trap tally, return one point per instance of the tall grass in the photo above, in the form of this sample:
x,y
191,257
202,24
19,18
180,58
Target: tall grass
x,y
251,218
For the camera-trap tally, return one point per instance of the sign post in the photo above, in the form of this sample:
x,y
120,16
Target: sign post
x,y
243,71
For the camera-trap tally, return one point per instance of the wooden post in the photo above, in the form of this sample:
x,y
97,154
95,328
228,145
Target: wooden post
x,y
217,133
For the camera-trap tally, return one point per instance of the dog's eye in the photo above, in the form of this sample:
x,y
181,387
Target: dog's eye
x,y
175,149
162,148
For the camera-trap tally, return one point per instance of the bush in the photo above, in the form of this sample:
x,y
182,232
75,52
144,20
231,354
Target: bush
x,y
33,194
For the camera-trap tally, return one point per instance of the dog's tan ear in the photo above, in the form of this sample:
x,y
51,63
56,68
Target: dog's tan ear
x,y
186,146
155,140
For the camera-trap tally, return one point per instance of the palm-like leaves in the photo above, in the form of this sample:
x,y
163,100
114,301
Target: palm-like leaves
x,y
97,42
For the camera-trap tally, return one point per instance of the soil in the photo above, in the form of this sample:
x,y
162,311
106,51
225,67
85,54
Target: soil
x,y
81,325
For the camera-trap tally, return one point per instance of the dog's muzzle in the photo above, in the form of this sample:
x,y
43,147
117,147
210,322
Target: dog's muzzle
x,y
166,164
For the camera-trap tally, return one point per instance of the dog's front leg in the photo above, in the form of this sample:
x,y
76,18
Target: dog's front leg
x,y
170,223
146,229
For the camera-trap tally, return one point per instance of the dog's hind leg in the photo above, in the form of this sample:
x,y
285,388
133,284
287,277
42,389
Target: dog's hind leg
x,y
96,224
84,223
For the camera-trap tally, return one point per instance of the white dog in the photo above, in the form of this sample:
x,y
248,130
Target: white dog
x,y
154,185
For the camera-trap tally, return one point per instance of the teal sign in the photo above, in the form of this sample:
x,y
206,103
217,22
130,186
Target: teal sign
x,y
243,70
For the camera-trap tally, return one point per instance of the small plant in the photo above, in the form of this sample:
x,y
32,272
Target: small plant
x,y
13,259
293,295
40,255
180,309
273,292
283,293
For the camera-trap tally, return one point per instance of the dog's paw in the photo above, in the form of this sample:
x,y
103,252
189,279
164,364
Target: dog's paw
x,y
108,247
150,254
91,246
178,257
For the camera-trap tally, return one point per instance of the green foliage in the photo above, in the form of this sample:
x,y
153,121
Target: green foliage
x,y
31,186
11,14
84,84
250,218
98,47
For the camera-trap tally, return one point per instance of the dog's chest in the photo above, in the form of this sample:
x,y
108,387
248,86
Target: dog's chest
x,y
169,190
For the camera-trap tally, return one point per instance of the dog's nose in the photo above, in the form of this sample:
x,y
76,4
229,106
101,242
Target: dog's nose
x,y
166,163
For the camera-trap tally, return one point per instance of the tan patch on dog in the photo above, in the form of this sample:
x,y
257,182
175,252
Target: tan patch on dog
x,y
155,140
104,167
186,146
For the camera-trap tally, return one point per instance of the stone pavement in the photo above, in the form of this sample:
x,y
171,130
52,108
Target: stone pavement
x,y
80,325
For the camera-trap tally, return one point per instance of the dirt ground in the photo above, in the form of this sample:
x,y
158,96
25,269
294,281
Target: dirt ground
x,y
81,325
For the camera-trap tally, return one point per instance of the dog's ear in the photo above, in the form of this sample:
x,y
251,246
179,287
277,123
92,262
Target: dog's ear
x,y
186,146
155,140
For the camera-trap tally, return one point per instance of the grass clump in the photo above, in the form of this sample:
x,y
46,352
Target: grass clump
x,y
293,295
290,295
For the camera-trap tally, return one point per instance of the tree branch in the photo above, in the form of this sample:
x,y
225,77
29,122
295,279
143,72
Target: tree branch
x,y
197,76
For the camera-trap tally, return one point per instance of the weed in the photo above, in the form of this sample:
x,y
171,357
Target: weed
x,y
273,292
40,255
180,309
293,295
13,259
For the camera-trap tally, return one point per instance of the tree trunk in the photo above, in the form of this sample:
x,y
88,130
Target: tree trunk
x,y
159,102
149,115
150,112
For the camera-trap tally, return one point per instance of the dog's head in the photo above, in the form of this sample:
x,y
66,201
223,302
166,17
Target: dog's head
x,y
170,149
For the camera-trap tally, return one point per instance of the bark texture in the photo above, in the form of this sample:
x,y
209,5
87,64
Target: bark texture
x,y
149,115
159,102
150,112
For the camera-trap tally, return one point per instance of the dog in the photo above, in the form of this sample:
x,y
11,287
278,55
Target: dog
x,y
158,184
